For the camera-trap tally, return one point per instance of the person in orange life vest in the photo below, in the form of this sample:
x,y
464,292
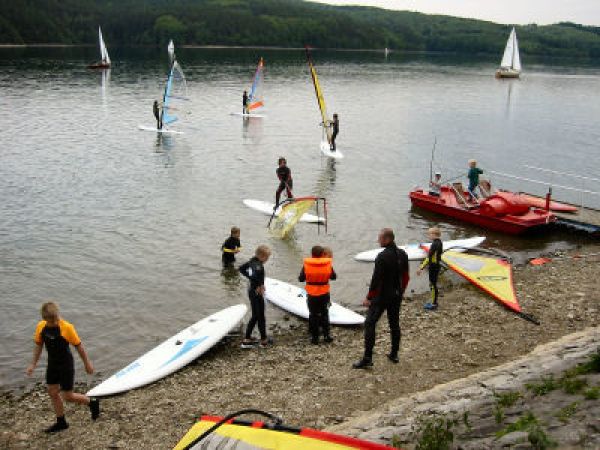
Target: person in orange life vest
x,y
317,271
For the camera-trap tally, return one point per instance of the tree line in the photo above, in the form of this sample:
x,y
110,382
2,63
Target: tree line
x,y
285,23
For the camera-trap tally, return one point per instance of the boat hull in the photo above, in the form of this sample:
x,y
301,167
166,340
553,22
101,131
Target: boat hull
x,y
99,66
509,224
507,73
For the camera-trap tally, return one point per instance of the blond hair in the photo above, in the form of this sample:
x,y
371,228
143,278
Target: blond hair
x,y
262,250
327,252
435,231
235,230
49,312
472,161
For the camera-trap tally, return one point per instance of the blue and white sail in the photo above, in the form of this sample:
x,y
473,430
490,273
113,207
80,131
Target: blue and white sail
x,y
175,95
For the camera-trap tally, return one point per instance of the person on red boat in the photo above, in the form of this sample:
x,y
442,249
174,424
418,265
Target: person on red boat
x,y
473,176
435,185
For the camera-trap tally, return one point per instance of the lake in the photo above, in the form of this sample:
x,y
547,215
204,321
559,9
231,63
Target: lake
x,y
123,228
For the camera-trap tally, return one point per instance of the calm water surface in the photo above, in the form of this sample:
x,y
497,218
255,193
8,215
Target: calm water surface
x,y
124,227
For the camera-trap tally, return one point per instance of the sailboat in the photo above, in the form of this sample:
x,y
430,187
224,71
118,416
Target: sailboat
x,y
255,97
325,120
104,62
174,97
510,66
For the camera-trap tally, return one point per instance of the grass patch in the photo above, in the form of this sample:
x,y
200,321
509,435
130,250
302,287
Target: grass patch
x,y
592,393
498,414
592,366
573,385
507,399
547,384
565,413
435,433
524,423
539,439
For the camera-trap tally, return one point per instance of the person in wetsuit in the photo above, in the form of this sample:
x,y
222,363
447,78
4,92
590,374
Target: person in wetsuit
x,y
156,110
56,335
284,174
316,272
245,103
255,272
230,247
335,128
389,280
433,262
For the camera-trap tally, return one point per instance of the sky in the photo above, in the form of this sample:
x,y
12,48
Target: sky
x,y
542,12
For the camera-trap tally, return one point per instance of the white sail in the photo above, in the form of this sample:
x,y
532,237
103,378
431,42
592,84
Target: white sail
x,y
171,50
507,58
103,51
516,63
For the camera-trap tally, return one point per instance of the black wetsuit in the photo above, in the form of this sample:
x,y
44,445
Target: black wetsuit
x,y
390,277
433,260
285,182
231,243
255,272
335,131
245,103
156,110
318,309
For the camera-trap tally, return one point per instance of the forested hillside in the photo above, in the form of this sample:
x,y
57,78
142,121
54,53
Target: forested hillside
x,y
286,23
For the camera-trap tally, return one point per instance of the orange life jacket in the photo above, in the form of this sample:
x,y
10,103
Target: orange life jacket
x,y
317,271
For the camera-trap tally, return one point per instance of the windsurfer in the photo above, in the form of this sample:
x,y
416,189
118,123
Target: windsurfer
x,y
433,263
389,280
316,272
284,174
157,115
335,129
473,176
245,103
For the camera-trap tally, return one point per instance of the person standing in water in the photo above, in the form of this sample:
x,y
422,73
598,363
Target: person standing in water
x,y
335,129
433,262
56,335
156,109
284,174
231,247
245,103
389,280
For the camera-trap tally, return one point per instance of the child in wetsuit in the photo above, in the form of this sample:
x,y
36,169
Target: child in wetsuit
x,y
284,174
255,272
230,247
56,334
433,262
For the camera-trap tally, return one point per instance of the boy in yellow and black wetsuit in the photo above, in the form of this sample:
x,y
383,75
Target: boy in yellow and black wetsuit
x,y
56,335
230,247
433,260
317,271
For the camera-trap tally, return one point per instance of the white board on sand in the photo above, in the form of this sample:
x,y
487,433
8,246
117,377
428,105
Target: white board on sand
x,y
415,252
174,353
293,299
248,115
326,150
162,130
267,208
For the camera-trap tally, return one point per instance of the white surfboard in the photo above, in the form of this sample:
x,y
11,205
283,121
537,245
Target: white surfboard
x,y
162,130
248,116
326,150
293,299
415,252
267,208
174,353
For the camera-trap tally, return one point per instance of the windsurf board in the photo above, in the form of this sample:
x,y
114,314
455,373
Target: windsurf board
x,y
267,208
326,150
162,130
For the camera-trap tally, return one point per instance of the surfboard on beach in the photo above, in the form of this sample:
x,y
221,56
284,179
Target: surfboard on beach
x,y
174,353
293,299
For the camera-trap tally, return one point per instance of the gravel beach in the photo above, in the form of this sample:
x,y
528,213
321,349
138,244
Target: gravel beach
x,y
315,386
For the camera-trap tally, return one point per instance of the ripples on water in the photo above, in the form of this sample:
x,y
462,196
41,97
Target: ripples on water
x,y
124,228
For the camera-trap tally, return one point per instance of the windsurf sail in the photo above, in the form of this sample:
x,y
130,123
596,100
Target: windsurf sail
x,y
171,50
255,98
217,433
292,209
103,51
491,274
320,99
175,94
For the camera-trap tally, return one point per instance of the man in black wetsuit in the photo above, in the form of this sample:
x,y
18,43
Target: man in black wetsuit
x,y
245,103
390,278
284,174
156,109
335,127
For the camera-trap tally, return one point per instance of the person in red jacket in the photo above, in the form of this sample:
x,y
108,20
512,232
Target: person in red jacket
x,y
389,280
317,271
